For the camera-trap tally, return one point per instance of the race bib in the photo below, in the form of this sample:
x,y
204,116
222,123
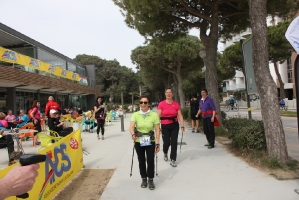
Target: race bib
x,y
145,141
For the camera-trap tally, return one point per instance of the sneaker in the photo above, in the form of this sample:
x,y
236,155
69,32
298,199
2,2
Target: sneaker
x,y
208,144
98,137
151,184
90,131
197,131
144,183
211,147
11,162
193,130
173,164
102,137
165,157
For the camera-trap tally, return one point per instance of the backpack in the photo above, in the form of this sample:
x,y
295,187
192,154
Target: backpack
x,y
29,113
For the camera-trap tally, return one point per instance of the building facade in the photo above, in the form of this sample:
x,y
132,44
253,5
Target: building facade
x,y
32,71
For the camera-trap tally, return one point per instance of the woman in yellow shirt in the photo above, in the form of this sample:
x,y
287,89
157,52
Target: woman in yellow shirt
x,y
144,127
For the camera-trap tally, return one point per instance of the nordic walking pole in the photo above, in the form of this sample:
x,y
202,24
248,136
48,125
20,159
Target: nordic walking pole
x,y
156,164
181,142
132,160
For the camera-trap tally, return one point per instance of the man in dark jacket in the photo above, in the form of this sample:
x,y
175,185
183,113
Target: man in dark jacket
x,y
57,126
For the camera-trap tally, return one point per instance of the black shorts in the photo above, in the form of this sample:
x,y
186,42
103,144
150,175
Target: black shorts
x,y
193,116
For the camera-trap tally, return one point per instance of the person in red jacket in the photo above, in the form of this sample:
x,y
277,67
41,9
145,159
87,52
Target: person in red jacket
x,y
51,105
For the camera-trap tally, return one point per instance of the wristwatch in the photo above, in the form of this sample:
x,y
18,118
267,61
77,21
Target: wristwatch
x,y
158,145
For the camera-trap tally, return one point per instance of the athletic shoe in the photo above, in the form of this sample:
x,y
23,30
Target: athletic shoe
x,y
208,144
90,131
173,164
165,157
98,137
102,137
144,183
193,130
197,131
151,184
211,147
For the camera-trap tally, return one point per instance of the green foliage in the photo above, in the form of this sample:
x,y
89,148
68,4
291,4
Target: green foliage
x,y
247,135
279,47
272,163
223,115
292,164
220,131
112,77
232,57
186,113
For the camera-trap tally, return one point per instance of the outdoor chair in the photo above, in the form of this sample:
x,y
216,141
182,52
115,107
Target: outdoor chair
x,y
46,140
29,134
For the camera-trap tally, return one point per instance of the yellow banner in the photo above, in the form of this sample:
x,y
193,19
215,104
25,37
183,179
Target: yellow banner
x,y
20,59
64,160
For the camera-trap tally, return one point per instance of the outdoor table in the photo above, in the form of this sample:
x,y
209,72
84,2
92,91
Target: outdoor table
x,y
20,131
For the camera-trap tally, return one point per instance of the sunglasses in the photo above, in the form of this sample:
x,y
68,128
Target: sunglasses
x,y
143,102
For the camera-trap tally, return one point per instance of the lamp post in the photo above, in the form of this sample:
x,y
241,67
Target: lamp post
x,y
203,55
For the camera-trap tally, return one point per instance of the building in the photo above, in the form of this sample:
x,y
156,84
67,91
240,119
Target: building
x,y
285,69
32,71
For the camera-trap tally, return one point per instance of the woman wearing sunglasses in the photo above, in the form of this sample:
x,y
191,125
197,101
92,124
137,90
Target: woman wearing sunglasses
x,y
144,128
170,115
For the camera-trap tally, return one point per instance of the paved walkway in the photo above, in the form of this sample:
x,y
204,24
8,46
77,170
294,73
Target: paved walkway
x,y
200,174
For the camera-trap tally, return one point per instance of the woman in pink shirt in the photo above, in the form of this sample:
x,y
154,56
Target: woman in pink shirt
x,y
170,115
10,118
35,116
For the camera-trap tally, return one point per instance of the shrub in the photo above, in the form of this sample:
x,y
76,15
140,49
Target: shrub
x,y
186,113
246,135
223,115
220,131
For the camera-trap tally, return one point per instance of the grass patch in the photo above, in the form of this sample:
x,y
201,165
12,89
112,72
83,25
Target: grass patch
x,y
271,163
288,113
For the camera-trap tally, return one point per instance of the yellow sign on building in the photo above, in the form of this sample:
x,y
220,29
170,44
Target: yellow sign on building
x,y
20,59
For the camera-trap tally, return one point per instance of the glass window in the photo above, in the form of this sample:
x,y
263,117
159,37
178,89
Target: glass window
x,y
290,77
29,51
71,67
50,58
81,71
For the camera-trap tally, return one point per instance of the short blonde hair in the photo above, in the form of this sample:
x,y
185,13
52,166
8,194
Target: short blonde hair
x,y
2,115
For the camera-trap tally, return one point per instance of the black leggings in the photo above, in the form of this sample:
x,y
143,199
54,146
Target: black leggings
x,y
150,159
170,134
101,123
208,128
38,127
7,141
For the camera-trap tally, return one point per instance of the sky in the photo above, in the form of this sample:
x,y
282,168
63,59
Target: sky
x,y
72,27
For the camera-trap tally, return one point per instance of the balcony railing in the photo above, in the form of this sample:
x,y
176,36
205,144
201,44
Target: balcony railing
x,y
231,88
240,86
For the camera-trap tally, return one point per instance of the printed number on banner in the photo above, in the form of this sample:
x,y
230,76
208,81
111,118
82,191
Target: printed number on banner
x,y
145,141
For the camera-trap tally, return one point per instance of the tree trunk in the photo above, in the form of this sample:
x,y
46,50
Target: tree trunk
x,y
275,137
180,89
281,84
210,43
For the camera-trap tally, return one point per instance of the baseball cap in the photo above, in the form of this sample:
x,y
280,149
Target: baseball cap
x,y
53,111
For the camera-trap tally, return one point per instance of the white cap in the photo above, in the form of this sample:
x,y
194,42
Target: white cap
x,y
53,111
